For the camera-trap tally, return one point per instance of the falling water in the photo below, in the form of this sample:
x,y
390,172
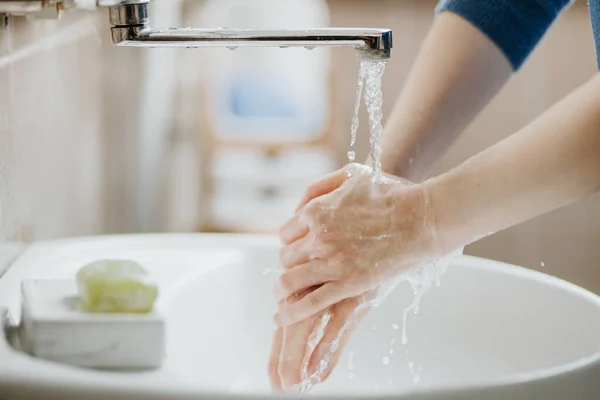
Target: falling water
x,y
354,126
374,100
421,278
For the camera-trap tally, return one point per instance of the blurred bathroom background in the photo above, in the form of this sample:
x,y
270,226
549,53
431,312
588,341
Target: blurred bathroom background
x,y
96,139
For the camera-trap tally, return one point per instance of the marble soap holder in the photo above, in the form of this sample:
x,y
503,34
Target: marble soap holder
x,y
54,328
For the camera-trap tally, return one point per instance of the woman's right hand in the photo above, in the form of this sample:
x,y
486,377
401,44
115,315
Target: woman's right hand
x,y
352,239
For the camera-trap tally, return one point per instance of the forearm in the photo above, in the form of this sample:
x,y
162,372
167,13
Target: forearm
x,y
550,163
456,73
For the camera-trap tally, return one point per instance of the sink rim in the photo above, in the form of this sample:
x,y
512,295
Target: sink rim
x,y
241,241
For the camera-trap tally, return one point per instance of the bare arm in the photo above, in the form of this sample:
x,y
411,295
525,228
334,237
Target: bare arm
x,y
455,75
550,163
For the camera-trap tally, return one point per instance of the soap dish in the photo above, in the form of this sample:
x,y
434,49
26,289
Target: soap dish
x,y
54,328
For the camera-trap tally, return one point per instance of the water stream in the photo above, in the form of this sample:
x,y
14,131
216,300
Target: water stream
x,y
355,119
421,278
374,101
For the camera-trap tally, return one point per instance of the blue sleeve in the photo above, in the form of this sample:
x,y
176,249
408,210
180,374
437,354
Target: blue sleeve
x,y
595,17
516,26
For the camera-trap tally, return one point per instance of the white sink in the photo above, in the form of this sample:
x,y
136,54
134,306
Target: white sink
x,y
490,331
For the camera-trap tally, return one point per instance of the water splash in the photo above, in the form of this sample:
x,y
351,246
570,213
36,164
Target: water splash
x,y
314,340
414,372
420,278
273,271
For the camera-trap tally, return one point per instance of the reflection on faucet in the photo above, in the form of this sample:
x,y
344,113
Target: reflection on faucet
x,y
131,27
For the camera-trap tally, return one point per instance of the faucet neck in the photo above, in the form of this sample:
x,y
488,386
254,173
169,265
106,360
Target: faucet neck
x,y
133,13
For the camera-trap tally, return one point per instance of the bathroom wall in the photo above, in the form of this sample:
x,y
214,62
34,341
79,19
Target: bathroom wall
x,y
69,106
70,137
50,134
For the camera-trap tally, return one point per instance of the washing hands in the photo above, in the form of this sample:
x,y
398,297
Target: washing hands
x,y
351,238
347,237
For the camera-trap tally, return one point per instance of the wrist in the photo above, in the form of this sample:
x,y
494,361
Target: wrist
x,y
416,239
430,222
437,195
453,215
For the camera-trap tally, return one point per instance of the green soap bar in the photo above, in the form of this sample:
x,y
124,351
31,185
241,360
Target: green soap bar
x,y
116,286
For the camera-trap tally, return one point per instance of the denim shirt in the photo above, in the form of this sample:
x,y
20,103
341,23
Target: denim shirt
x,y
517,26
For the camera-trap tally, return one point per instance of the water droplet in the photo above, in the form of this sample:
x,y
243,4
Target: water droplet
x,y
309,47
232,47
391,351
350,375
416,379
395,326
351,155
542,264
348,174
385,360
438,282
374,327
411,366
416,310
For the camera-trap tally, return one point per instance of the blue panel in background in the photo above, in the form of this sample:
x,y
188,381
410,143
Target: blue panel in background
x,y
253,96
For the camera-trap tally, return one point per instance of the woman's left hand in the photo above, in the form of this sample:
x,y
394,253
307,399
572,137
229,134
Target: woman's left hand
x,y
351,239
297,352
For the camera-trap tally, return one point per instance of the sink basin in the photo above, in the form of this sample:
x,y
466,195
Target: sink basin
x,y
490,331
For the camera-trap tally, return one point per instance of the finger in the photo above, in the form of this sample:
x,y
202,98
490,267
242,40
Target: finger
x,y
294,229
343,323
293,352
314,302
322,186
295,253
301,278
305,250
274,359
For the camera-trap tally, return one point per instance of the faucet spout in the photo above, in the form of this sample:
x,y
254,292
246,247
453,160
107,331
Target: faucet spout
x,y
131,27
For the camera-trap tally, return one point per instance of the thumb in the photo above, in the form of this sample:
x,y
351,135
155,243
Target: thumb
x,y
322,186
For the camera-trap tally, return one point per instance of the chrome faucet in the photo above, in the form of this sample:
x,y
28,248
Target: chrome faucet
x,y
130,26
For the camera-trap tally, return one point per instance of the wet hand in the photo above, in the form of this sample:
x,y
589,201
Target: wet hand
x,y
298,354
350,238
